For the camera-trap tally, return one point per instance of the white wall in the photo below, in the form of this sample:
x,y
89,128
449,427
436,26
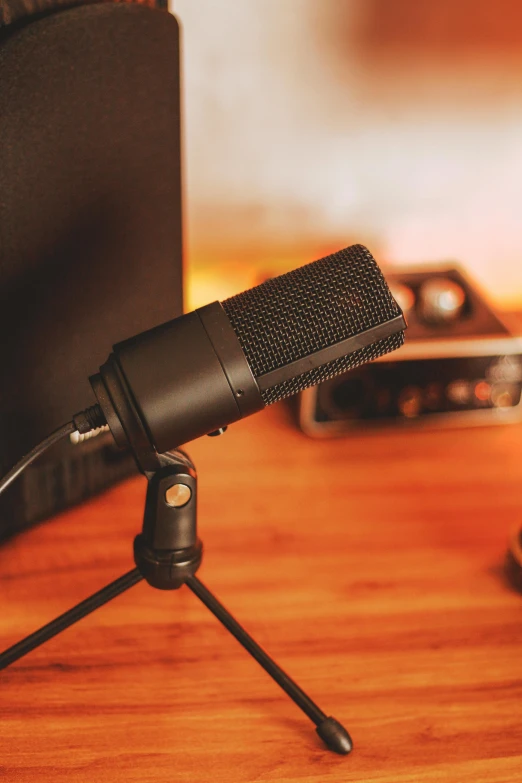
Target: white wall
x,y
299,135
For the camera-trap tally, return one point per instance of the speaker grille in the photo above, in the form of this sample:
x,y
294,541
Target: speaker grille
x,y
309,309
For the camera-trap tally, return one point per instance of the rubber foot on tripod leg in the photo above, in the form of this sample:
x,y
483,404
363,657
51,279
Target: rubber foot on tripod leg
x,y
335,736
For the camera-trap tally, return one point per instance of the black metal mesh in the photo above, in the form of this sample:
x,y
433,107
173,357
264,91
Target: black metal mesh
x,y
291,316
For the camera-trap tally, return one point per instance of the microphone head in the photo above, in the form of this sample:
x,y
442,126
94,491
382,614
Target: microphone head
x,y
216,365
286,320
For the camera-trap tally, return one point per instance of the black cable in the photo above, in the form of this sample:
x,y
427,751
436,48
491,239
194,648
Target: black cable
x,y
57,435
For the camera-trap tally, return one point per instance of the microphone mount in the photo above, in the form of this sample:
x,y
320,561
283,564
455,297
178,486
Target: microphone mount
x,y
167,554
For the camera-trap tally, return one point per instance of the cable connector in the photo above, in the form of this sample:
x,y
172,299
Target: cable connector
x,y
90,419
80,437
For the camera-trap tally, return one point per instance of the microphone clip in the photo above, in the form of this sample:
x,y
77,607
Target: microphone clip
x,y
167,551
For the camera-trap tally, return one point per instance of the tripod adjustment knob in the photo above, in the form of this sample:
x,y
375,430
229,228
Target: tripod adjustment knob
x,y
178,495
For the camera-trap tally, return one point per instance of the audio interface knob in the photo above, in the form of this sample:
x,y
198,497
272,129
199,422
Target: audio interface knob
x,y
441,300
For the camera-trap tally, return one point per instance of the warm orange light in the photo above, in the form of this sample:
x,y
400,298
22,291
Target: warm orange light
x,y
410,402
482,391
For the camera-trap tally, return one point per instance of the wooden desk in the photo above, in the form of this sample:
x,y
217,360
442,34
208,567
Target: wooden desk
x,y
370,568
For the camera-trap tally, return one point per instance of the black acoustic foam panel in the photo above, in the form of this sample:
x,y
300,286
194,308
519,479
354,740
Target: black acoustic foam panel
x,y
90,217
15,11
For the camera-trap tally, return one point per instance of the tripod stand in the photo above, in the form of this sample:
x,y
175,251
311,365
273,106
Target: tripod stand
x,y
167,554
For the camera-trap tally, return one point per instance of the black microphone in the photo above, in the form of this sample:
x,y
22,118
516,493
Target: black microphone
x,y
204,370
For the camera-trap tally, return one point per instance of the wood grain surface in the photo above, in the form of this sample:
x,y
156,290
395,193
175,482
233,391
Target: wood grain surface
x,y
370,567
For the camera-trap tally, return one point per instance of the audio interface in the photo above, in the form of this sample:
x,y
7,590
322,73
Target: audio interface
x,y
461,365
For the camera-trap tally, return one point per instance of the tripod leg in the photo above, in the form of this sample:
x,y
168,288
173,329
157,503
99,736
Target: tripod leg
x,y
69,618
331,731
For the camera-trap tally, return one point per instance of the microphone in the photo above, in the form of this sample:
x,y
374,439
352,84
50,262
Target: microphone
x,y
197,374
204,370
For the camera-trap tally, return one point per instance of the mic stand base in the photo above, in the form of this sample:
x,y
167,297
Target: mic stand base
x,y
168,568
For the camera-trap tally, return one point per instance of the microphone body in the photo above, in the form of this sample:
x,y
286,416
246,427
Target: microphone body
x,y
209,368
185,378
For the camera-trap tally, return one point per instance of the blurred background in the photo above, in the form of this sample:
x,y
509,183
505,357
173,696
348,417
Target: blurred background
x,y
309,126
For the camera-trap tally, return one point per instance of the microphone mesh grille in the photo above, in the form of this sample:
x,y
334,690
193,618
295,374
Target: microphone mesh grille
x,y
306,310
